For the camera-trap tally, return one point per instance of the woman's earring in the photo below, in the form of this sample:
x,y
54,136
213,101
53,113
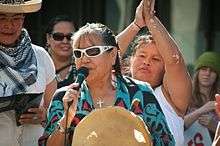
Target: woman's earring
x,y
47,45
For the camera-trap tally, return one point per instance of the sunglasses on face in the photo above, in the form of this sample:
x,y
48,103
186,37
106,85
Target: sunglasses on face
x,y
93,51
58,36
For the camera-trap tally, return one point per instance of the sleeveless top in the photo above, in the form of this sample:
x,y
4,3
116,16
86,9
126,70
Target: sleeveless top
x,y
175,122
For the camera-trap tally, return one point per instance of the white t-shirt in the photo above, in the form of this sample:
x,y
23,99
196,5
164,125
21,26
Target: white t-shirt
x,y
27,135
175,122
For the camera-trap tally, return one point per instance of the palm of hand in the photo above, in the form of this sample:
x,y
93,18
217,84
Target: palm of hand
x,y
148,9
139,19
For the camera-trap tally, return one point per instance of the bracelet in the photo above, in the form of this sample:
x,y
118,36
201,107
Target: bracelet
x,y
136,25
60,128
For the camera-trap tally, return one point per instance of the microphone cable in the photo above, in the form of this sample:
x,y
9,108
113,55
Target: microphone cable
x,y
66,122
82,73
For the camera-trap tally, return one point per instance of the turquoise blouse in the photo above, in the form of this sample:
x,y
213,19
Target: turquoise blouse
x,y
133,95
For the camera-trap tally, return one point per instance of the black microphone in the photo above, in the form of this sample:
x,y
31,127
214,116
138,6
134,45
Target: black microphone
x,y
82,73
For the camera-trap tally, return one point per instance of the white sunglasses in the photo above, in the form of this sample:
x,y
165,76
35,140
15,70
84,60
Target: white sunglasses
x,y
93,51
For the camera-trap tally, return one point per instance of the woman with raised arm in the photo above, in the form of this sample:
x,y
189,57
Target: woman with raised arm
x,y
156,59
58,34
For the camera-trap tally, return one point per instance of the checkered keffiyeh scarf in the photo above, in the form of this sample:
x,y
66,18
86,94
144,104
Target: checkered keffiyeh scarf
x,y
12,1
18,66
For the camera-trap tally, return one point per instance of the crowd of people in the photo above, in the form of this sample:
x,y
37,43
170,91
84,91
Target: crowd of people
x,y
42,99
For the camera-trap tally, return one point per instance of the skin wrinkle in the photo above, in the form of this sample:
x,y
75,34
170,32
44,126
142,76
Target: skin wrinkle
x,y
176,58
152,21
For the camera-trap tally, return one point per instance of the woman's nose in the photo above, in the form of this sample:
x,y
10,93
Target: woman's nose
x,y
8,23
147,62
65,40
84,58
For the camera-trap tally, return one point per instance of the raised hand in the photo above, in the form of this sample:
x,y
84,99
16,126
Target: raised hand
x,y
217,105
148,9
139,19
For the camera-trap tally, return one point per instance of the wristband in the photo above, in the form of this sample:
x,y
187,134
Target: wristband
x,y
60,128
136,25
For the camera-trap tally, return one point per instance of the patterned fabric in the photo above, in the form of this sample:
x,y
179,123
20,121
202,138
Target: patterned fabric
x,y
18,66
133,95
12,1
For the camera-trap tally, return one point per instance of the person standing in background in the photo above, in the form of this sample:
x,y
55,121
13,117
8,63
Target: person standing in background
x,y
205,86
58,34
27,77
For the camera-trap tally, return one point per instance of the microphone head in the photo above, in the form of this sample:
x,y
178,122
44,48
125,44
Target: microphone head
x,y
82,74
83,71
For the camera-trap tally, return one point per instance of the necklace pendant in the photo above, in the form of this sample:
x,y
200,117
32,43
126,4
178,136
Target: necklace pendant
x,y
100,102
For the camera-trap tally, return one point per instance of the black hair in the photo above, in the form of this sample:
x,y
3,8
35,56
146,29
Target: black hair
x,y
141,38
55,20
108,38
106,33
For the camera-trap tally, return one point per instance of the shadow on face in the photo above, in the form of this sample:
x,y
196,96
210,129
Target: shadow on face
x,y
92,52
59,40
207,77
146,64
10,28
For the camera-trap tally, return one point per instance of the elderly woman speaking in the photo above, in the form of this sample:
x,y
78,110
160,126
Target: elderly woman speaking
x,y
95,47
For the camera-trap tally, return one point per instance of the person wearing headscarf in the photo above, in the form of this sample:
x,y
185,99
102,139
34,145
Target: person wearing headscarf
x,y
27,77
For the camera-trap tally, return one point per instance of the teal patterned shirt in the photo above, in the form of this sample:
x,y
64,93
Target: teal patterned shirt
x,y
133,95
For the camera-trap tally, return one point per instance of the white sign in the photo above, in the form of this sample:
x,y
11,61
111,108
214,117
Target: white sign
x,y
197,135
